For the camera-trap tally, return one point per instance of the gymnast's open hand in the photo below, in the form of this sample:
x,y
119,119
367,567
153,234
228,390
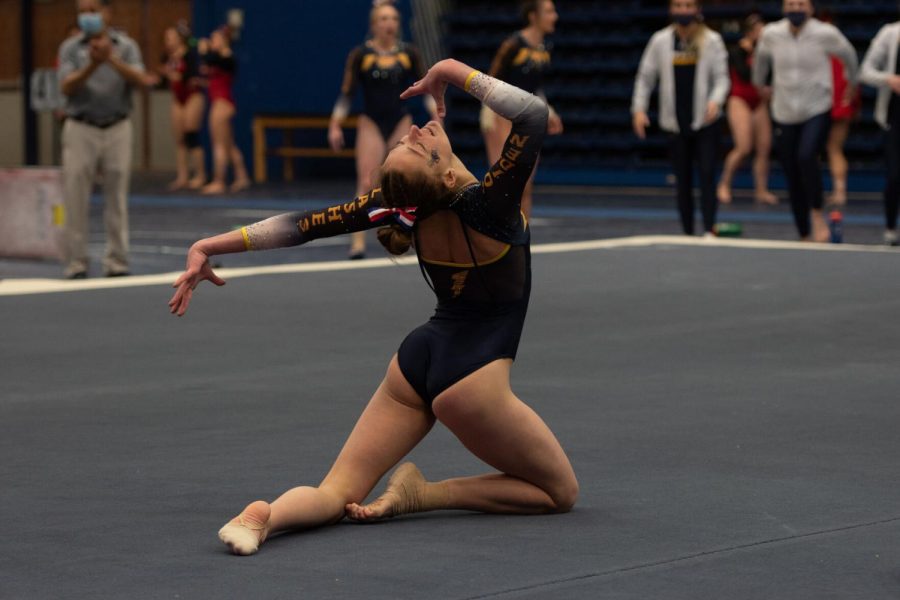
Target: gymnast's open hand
x,y
198,269
435,84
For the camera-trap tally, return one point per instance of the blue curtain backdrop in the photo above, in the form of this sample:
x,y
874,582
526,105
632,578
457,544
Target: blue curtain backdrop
x,y
291,53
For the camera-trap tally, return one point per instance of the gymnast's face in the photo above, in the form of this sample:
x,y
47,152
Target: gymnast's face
x,y
385,22
546,16
171,40
218,41
425,150
755,32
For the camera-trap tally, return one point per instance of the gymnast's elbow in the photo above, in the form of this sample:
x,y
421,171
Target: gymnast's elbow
x,y
536,113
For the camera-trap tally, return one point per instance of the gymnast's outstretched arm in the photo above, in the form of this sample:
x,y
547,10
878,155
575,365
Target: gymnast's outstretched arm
x,y
282,231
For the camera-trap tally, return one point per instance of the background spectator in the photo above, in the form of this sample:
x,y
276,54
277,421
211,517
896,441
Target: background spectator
x,y
182,71
799,49
220,67
748,118
881,69
97,71
691,64
521,61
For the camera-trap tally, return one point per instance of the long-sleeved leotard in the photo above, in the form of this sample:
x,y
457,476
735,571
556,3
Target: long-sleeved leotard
x,y
296,228
481,306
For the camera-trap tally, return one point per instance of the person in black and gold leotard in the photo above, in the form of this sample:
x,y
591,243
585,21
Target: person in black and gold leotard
x,y
383,67
522,61
473,244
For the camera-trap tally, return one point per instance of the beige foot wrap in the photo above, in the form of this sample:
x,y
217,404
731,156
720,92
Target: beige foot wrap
x,y
407,492
243,538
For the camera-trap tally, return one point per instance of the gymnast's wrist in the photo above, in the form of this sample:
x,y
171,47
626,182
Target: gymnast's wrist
x,y
453,72
227,243
442,65
201,247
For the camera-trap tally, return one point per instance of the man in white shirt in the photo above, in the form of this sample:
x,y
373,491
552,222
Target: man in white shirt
x,y
797,50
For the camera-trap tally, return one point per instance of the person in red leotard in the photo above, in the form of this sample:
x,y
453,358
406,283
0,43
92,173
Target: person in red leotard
x,y
220,67
181,70
847,105
748,118
845,109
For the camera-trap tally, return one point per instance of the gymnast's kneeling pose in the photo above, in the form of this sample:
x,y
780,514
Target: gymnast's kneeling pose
x,y
472,244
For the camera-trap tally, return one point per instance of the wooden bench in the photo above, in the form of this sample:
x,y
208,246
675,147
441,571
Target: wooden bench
x,y
287,151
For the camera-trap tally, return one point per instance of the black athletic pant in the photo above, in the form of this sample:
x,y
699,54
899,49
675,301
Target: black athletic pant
x,y
892,184
800,146
703,147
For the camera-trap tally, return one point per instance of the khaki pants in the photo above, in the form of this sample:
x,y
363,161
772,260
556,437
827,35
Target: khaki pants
x,y
85,148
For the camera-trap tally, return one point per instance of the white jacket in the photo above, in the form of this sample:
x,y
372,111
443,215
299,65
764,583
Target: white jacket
x,y
711,82
878,65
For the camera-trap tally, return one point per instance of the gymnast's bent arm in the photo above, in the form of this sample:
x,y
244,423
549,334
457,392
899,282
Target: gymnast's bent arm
x,y
345,100
506,179
282,231
527,112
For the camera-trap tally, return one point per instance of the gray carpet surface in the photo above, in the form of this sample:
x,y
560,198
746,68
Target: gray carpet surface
x,y
731,414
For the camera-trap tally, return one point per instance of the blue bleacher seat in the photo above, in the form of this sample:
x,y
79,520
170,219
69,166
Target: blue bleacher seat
x,y
596,50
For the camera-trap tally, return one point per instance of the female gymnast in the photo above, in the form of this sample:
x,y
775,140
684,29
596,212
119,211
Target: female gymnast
x,y
220,69
383,67
182,70
521,61
748,118
473,244
845,110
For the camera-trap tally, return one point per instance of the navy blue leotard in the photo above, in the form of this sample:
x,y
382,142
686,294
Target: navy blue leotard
x,y
383,77
520,64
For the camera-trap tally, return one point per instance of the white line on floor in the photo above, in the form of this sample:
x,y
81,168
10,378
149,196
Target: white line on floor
x,y
20,287
654,191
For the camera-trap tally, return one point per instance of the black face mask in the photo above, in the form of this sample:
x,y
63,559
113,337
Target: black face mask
x,y
684,19
796,17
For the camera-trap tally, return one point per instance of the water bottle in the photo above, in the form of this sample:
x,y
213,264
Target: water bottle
x,y
836,226
729,230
